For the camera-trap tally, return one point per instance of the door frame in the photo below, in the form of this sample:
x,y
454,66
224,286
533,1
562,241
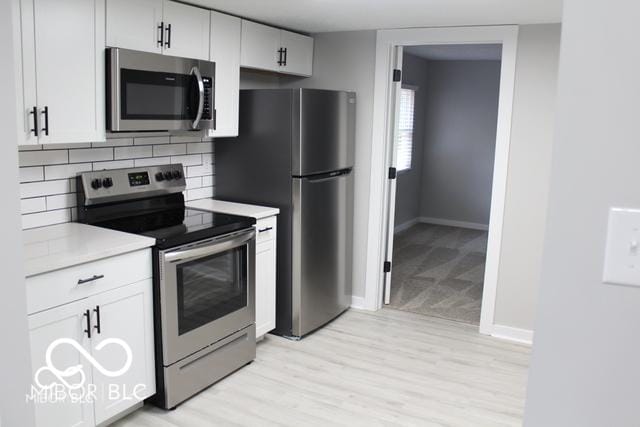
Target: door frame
x,y
383,146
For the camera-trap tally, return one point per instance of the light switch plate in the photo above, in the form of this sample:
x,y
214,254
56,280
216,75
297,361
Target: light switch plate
x,y
622,254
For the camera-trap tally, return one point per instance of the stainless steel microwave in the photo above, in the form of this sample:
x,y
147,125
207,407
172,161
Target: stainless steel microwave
x,y
152,92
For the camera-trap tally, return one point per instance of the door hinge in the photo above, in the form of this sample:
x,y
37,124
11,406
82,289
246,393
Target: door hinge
x,y
386,267
397,75
393,173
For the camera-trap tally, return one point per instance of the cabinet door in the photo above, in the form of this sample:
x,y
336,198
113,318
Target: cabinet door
x,y
260,44
265,287
225,52
299,53
135,24
125,313
25,69
66,321
186,31
70,71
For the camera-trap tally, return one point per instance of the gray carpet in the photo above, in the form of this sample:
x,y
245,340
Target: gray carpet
x,y
439,271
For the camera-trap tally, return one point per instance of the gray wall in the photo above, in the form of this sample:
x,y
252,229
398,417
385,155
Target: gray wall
x,y
409,183
528,175
346,60
459,140
585,371
15,369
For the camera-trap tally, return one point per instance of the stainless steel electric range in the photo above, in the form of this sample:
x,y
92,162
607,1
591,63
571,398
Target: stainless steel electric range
x,y
204,274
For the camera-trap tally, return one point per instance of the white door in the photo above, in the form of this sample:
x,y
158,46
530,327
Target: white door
x,y
225,52
260,45
186,31
67,321
123,314
394,106
265,287
135,24
70,74
298,56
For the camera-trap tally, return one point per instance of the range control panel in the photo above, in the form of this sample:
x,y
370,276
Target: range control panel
x,y
131,183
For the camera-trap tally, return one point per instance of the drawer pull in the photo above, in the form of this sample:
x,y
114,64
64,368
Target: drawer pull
x,y
97,326
90,279
265,229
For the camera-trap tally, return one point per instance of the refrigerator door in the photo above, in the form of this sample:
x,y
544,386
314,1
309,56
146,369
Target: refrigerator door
x,y
323,130
322,249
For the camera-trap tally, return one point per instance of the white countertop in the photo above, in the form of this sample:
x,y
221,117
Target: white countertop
x,y
231,208
64,245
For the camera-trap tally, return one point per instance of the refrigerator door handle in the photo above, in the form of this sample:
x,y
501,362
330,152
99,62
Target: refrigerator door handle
x,y
327,176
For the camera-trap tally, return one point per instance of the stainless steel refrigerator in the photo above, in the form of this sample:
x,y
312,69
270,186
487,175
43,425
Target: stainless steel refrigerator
x,y
295,151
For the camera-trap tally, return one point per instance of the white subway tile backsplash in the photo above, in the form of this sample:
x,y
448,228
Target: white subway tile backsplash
x,y
114,164
37,204
45,188
41,219
90,155
65,171
61,201
188,160
34,173
152,140
47,173
133,152
200,147
42,157
152,161
169,150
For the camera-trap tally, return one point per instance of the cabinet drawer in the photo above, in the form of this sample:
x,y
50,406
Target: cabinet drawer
x,y
266,229
81,281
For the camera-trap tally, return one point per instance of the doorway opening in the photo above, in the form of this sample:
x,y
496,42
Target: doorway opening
x,y
445,135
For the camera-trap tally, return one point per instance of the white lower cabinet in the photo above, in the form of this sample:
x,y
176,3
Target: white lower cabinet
x,y
109,334
265,275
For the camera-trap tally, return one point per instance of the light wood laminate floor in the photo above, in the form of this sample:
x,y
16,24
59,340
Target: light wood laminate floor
x,y
384,368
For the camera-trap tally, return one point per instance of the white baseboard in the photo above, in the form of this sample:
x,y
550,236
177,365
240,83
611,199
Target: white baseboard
x,y
358,302
439,221
405,225
523,336
453,223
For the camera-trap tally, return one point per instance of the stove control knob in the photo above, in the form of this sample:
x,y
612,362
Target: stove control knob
x,y
159,176
177,175
96,183
168,176
107,182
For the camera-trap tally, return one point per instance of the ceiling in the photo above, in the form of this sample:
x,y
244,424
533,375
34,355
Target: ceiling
x,y
457,52
342,15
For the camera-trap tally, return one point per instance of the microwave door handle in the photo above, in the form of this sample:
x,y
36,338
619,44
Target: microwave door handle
x,y
196,72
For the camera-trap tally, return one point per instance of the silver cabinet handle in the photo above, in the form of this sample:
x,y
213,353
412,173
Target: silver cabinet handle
x,y
90,279
196,72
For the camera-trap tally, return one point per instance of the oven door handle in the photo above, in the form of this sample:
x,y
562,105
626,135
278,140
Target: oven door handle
x,y
213,248
196,72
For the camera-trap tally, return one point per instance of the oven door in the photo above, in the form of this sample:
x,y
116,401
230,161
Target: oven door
x,y
148,92
207,292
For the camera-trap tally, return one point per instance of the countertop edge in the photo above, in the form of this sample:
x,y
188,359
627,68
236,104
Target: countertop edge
x,y
259,212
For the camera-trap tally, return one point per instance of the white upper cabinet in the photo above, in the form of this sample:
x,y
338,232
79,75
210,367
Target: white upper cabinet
x,y
158,26
62,71
260,44
225,52
186,31
298,53
268,48
135,24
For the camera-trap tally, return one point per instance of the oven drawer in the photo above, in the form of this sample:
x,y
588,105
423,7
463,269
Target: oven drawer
x,y
81,281
266,229
185,378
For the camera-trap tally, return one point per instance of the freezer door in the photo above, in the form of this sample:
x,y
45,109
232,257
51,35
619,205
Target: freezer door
x,y
322,249
323,131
